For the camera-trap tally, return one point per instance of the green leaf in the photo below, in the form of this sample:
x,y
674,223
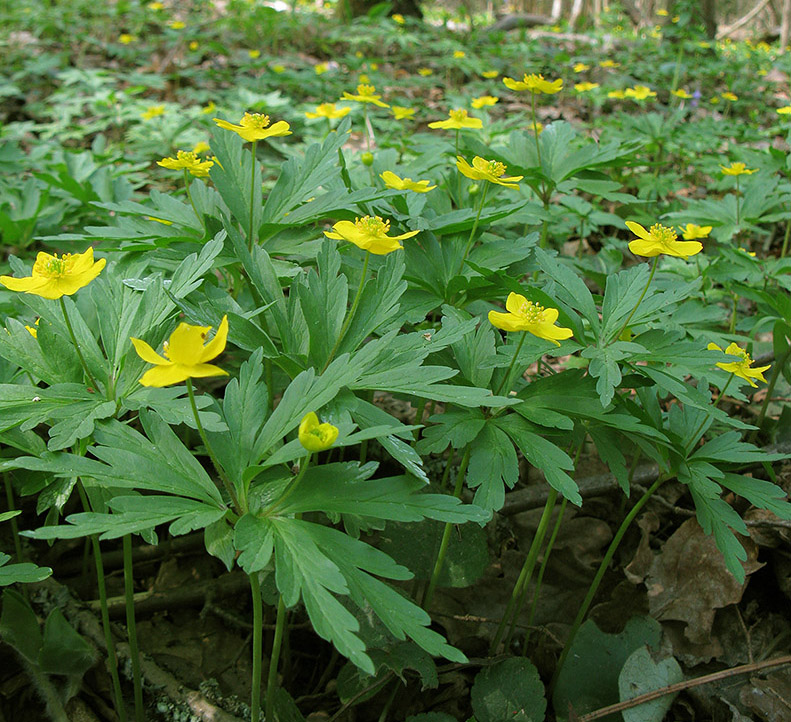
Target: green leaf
x,y
63,650
493,466
728,448
190,273
233,176
254,537
219,540
19,626
760,493
509,690
22,573
457,427
641,674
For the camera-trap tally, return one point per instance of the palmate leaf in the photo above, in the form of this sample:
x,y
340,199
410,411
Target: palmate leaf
x,y
493,466
21,573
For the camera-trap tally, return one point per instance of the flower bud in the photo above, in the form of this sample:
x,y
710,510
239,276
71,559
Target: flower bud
x,y
315,436
367,158
474,189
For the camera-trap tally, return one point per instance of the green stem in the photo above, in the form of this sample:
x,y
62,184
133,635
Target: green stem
x,y
9,495
605,563
252,195
217,466
527,569
353,310
131,628
458,172
474,228
776,372
367,139
784,250
639,300
189,198
271,681
303,467
445,542
112,658
734,306
693,439
738,220
507,377
66,318
446,471
255,698
540,577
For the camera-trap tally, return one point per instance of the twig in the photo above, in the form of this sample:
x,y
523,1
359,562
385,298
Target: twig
x,y
680,686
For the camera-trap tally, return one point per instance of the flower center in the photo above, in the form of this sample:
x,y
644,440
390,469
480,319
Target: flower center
x,y
496,168
187,157
662,234
52,266
458,115
366,90
742,354
532,312
255,120
373,225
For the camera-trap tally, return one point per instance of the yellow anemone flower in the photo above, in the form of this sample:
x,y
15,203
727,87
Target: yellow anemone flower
x,y
660,240
785,110
370,234
727,95
405,184
254,53
488,170
208,109
53,276
321,68
255,126
459,54
458,119
609,64
366,94
153,111
401,113
398,18
737,169
490,73
327,110
315,436
535,84
126,38
484,101
681,93
741,367
585,87
188,160
177,24
185,355
691,232
618,94
425,72
580,67
524,315
33,330
201,147
639,92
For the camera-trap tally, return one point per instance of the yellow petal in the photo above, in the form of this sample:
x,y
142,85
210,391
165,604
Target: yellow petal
x,y
646,248
160,376
514,302
185,345
217,345
639,231
145,352
506,321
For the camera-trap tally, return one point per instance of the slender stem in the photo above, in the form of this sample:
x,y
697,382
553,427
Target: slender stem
x,y
252,195
255,698
474,228
112,658
66,318
367,137
271,681
353,310
605,563
458,172
535,132
527,568
445,542
776,372
544,196
738,220
734,306
131,628
784,250
446,472
303,467
189,198
540,577
218,467
9,495
507,376
639,300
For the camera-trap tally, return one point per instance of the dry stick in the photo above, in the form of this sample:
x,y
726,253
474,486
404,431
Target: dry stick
x,y
680,686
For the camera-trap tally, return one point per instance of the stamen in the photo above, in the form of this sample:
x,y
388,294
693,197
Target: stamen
x,y
255,120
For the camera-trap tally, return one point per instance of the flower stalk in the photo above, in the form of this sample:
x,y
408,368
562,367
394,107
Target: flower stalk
x,y
639,300
352,311
66,318
474,228
131,628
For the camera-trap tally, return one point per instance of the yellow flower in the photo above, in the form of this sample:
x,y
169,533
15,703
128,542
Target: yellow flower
x,y
177,24
619,94
187,160
749,253
535,84
397,17
675,18
363,78
539,128
327,110
488,170
401,113
208,109
662,12
457,120
254,54
405,184
374,66
691,232
490,73
366,94
321,68
524,315
126,38
425,72
153,111
585,87
33,330
459,53
368,233
315,436
660,240
714,101
53,276
483,101
185,355
609,64
255,126
740,368
681,93
580,67
194,45
201,147
727,95
737,169
155,6
639,92
785,110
